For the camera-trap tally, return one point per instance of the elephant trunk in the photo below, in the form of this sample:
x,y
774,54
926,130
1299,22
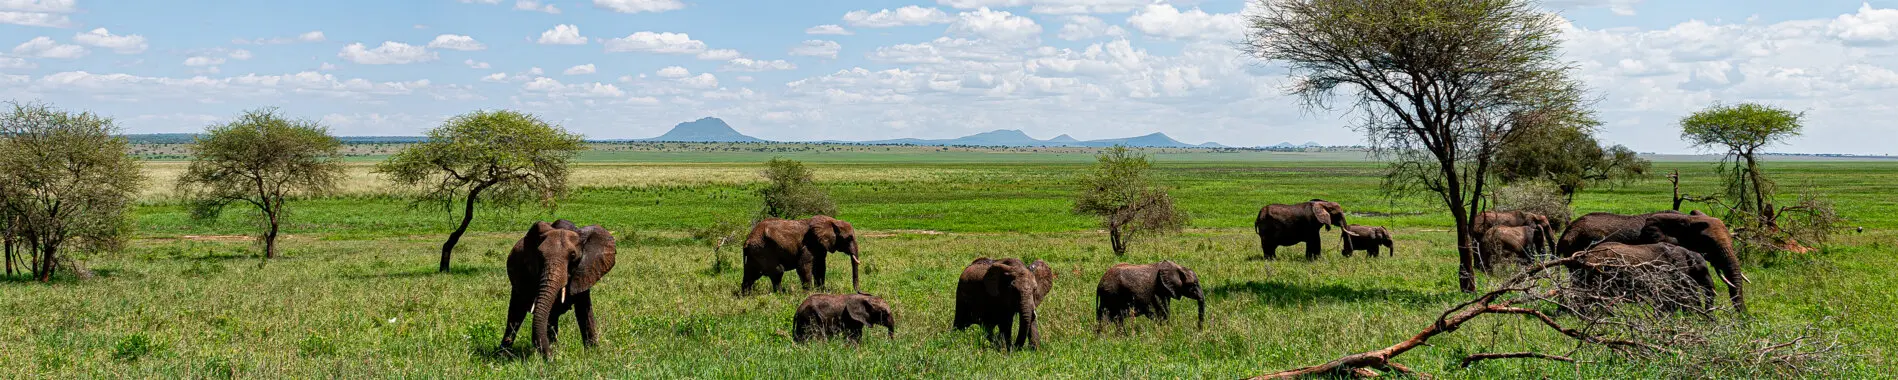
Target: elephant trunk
x,y
553,283
889,320
1730,273
856,283
1199,297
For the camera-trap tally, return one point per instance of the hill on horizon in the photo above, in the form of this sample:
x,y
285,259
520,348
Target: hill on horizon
x,y
705,129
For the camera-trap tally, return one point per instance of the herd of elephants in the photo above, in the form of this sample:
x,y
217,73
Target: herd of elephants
x,y
554,266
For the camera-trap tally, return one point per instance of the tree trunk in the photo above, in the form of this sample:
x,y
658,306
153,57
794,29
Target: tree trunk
x,y
47,265
467,215
270,238
1676,179
1113,237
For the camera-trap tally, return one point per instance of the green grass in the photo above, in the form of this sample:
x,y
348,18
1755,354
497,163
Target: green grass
x,y
356,294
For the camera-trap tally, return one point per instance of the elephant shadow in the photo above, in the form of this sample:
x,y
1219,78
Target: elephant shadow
x,y
1277,293
422,273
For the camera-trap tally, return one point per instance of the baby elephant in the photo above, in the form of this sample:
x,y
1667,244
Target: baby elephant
x,y
1147,289
992,292
828,315
1506,244
1366,238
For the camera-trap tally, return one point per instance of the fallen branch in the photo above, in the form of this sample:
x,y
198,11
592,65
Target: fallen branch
x,y
1472,359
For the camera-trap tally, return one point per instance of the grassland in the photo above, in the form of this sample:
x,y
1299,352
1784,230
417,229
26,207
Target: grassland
x,y
356,294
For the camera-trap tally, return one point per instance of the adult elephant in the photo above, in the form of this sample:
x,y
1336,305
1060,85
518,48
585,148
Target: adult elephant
x,y
1517,243
776,245
1146,289
1366,238
553,269
1697,232
1484,221
993,292
831,315
1285,225
1662,274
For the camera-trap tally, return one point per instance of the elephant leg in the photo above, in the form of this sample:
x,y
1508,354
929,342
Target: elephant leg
x,y
1270,248
553,323
804,267
753,270
583,313
1374,251
517,305
1100,317
817,269
1312,248
800,327
777,281
1007,334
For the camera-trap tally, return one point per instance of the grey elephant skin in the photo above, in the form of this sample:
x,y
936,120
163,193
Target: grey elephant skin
x,y
777,245
1696,232
824,316
1366,238
1487,220
993,293
1661,273
1286,225
553,269
1516,244
1146,289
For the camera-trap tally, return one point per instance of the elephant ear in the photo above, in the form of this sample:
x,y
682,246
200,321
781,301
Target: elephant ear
x,y
596,258
822,235
859,309
1318,211
1167,279
1000,279
535,234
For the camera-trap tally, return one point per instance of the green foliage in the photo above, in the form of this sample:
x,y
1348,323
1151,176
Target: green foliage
x,y
1120,192
261,159
1741,130
791,193
722,232
1540,197
1568,157
66,184
133,347
500,157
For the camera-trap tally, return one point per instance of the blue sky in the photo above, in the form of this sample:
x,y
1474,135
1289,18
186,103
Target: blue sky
x,y
862,70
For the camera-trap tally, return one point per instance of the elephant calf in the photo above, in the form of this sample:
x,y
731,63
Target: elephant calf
x,y
991,292
552,270
1518,244
1660,274
1366,238
1147,289
828,315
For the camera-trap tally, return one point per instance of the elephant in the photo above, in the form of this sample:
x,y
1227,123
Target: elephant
x,y
553,269
1520,243
1484,221
1366,238
1147,289
1660,273
992,292
1284,225
1696,232
776,245
828,315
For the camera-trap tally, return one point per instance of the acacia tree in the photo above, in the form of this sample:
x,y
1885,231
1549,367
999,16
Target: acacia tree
x,y
1742,130
791,191
1120,192
1568,157
503,157
66,182
261,159
1442,85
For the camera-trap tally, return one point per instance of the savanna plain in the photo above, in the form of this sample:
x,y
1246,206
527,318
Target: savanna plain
x,y
356,293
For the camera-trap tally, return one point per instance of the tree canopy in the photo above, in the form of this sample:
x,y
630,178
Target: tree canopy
x,y
1442,85
261,159
791,192
66,184
1569,158
1120,192
503,157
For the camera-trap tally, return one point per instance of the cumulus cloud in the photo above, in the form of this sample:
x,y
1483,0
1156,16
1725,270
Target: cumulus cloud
x,y
637,6
828,29
563,34
16,63
390,53
1163,20
43,47
456,42
310,36
580,70
48,20
673,72
536,6
905,16
122,44
649,42
817,48
39,6
1619,7
747,64
995,25
1052,6
719,55
472,64
1088,27
1870,26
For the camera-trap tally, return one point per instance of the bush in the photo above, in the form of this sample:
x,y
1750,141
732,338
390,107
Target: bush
x,y
1540,197
791,193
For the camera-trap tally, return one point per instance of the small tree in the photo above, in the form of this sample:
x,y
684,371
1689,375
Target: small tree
x,y
66,182
505,158
1120,193
1741,130
790,192
261,159
1568,157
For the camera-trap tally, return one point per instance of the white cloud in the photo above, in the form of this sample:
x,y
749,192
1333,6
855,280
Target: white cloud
x,y
1870,26
747,64
828,29
390,53
40,6
554,89
122,44
1163,20
16,63
35,19
637,6
199,61
43,47
817,48
247,87
673,72
719,55
701,81
1619,7
563,34
310,36
1089,27
995,25
649,42
905,16
580,70
240,54
536,6
472,64
456,42
326,66
1053,6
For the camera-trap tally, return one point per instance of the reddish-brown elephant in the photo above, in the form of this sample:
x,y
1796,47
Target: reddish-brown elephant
x,y
1696,232
553,269
824,316
993,292
1146,289
777,245
1286,225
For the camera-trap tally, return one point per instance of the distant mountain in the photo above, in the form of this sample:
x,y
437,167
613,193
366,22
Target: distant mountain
x,y
709,129
1063,139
